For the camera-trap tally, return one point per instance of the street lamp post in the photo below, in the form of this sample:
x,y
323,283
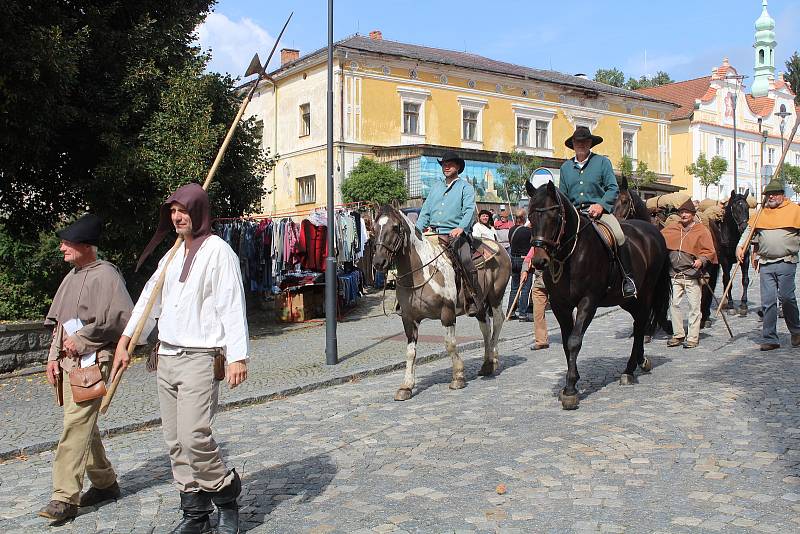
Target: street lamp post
x,y
331,345
782,114
738,80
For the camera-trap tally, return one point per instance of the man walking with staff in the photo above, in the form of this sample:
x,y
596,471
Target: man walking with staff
x,y
202,326
89,312
776,242
691,248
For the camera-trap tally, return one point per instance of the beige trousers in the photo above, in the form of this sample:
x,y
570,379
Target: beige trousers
x,y
539,296
616,229
188,394
80,450
693,291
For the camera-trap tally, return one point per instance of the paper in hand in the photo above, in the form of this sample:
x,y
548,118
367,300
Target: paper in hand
x,y
72,326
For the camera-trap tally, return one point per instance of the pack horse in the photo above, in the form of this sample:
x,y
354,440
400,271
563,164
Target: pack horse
x,y
427,288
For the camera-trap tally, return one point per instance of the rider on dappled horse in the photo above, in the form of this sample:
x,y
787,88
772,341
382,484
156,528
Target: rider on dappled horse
x,y
589,182
449,211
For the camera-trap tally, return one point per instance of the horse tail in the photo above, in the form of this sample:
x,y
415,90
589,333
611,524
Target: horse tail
x,y
662,297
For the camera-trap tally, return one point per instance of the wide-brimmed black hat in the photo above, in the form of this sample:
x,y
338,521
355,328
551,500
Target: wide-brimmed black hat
x,y
452,156
582,132
86,230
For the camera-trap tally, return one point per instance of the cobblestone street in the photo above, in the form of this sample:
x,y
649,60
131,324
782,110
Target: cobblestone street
x,y
709,441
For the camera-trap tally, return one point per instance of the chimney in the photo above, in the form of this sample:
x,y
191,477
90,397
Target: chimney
x,y
288,55
376,35
581,75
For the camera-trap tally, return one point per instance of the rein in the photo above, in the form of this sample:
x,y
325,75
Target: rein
x,y
556,265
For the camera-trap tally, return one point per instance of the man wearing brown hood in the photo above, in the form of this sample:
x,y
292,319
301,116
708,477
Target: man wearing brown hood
x,y
201,317
88,314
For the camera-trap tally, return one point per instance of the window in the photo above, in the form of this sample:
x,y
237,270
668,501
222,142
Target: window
x,y
740,150
472,121
542,129
720,147
770,155
533,129
305,120
411,118
523,131
412,114
470,129
258,131
630,132
307,190
627,144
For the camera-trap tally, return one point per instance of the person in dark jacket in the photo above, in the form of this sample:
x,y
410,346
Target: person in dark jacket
x,y
520,240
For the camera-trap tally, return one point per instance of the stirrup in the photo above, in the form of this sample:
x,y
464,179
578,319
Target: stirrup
x,y
628,295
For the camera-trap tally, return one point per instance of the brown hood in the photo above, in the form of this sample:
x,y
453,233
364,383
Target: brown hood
x,y
195,198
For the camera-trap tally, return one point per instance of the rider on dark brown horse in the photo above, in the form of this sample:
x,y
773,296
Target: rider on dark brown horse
x,y
589,182
449,211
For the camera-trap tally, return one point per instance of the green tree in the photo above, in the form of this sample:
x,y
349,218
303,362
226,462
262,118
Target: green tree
x,y
104,106
371,181
660,78
708,172
516,168
640,176
612,76
792,75
791,176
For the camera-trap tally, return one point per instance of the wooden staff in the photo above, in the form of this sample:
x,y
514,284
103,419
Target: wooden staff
x,y
758,214
255,67
516,298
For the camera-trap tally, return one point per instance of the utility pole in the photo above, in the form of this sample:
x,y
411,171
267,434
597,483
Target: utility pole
x,y
331,348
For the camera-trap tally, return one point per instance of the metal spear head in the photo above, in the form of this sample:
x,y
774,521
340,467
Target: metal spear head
x,y
255,67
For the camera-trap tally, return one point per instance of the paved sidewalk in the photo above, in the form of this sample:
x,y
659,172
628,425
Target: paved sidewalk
x,y
708,442
286,359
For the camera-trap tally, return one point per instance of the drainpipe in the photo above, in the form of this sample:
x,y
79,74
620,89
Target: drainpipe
x,y
275,152
341,122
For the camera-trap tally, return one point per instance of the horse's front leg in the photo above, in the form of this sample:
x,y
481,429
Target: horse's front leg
x,y
458,364
405,390
637,351
745,285
583,317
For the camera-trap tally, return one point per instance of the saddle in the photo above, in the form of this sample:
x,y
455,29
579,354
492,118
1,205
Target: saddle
x,y
606,236
482,251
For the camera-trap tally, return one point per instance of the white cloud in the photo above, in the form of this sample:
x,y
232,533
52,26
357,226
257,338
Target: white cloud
x,y
232,43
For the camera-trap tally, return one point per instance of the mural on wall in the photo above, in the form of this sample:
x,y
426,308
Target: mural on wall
x,y
483,175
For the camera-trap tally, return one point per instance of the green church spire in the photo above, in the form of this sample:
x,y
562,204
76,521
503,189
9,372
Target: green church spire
x,y
764,52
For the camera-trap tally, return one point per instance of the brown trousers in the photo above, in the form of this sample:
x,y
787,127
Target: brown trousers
x,y
188,395
80,450
539,296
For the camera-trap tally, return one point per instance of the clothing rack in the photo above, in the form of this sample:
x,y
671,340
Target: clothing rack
x,y
289,214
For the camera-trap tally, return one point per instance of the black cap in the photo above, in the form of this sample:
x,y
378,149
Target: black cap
x,y
86,230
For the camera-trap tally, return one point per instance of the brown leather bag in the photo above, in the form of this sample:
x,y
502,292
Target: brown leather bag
x,y
87,383
219,366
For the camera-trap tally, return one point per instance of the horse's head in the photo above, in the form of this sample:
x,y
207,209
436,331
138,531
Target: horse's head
x,y
623,207
392,237
737,211
547,214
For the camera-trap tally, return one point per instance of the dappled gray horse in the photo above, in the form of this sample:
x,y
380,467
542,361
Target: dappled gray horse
x,y
427,289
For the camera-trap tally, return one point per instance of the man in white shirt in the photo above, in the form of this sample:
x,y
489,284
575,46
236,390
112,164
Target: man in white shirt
x,y
201,314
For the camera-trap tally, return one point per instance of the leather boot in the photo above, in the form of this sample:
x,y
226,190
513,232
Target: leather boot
x,y
628,285
227,506
196,508
476,305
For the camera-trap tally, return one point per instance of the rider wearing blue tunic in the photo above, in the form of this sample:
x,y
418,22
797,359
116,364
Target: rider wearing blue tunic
x,y
449,210
589,182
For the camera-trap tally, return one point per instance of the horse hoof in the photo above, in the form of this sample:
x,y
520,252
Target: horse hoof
x,y
705,324
402,394
648,339
458,384
568,402
487,369
646,365
732,311
743,312
626,380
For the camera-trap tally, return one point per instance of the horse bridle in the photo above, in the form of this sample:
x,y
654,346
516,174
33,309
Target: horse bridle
x,y
396,243
550,245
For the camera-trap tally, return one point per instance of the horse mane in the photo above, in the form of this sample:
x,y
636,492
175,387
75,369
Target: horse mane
x,y
622,182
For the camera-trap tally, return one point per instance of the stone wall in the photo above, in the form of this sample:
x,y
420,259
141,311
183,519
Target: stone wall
x,y
23,345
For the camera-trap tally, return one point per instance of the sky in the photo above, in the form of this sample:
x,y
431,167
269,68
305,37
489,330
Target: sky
x,y
685,38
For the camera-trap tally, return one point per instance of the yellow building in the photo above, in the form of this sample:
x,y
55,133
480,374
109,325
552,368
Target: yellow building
x,y
407,104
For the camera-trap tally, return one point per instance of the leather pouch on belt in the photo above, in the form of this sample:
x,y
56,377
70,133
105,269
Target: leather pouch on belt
x,y
219,366
87,383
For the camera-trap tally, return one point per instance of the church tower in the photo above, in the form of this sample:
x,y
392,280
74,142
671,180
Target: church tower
x,y
765,53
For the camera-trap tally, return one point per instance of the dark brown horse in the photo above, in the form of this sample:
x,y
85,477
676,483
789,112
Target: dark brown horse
x,y
427,289
629,205
579,273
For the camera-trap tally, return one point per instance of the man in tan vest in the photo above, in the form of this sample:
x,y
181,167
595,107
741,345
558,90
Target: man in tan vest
x,y
89,313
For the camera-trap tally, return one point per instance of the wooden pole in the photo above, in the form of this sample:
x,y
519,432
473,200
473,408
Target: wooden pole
x,y
758,214
211,172
516,298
